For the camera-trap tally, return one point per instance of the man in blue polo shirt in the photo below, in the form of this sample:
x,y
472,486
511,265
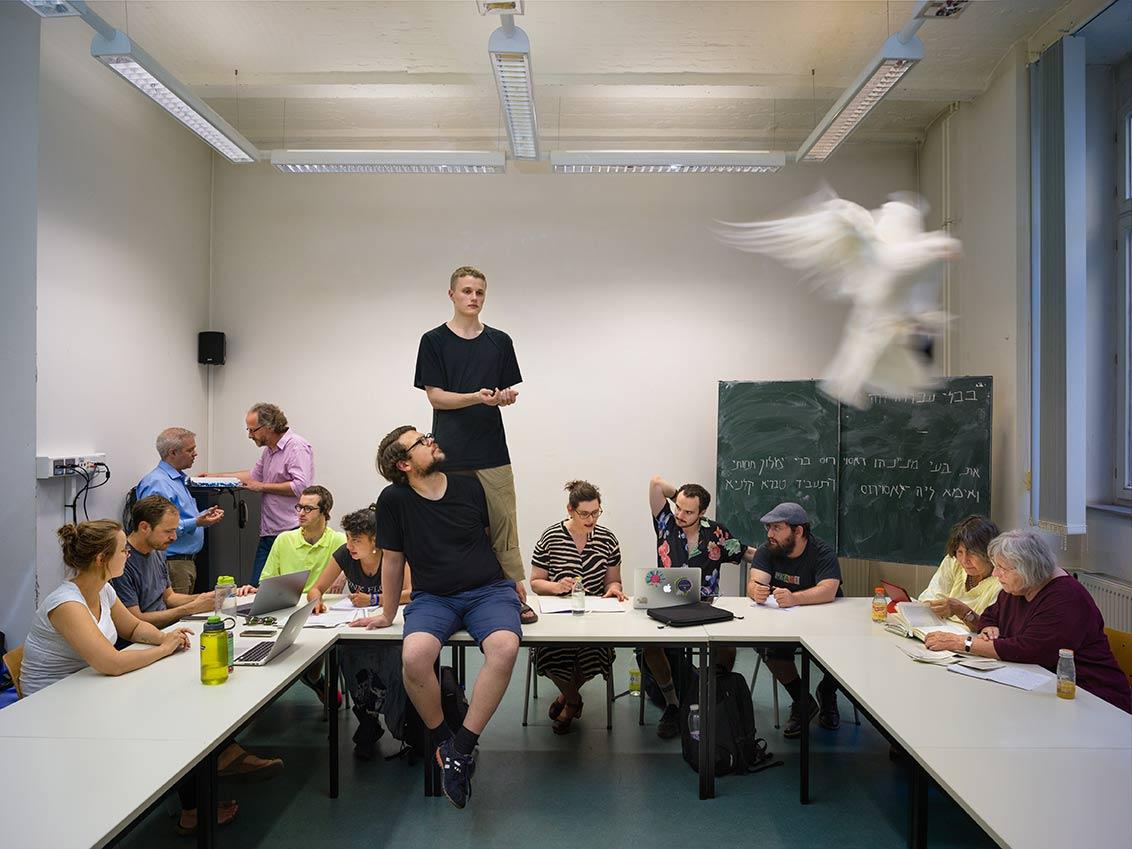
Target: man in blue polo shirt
x,y
177,448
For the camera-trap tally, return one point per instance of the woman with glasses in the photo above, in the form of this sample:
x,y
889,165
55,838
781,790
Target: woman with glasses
x,y
577,549
963,586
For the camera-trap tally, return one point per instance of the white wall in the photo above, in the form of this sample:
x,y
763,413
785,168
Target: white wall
x,y
123,275
19,139
975,163
624,311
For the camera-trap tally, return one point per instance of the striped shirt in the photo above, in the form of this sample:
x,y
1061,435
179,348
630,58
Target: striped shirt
x,y
559,556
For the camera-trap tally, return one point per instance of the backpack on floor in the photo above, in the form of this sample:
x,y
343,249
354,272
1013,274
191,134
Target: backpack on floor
x,y
453,703
738,750
452,699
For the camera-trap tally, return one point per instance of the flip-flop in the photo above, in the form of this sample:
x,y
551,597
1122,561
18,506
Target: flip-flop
x,y
527,615
228,807
241,768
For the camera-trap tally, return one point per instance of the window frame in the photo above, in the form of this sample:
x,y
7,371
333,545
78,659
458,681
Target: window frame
x,y
1122,477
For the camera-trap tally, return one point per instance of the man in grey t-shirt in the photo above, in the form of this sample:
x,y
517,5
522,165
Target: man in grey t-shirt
x,y
144,586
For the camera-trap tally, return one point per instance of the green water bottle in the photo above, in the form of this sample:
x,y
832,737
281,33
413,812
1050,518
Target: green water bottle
x,y
225,605
213,652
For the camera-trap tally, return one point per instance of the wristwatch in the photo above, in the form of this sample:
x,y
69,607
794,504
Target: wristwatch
x,y
967,643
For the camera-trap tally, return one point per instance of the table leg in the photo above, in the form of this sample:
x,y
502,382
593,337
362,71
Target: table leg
x,y
918,807
804,739
331,689
207,801
707,723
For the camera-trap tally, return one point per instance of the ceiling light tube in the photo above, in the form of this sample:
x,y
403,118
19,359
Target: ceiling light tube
x,y
140,70
389,161
667,161
895,59
510,52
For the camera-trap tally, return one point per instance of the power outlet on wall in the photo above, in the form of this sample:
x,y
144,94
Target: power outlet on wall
x,y
47,467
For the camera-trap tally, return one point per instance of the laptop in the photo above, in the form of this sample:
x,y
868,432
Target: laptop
x,y
656,587
276,593
263,652
895,592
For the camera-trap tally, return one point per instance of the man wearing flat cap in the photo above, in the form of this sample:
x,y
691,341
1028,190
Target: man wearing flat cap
x,y
794,567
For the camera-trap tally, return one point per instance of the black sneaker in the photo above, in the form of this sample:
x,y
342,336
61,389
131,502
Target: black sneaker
x,y
793,727
368,733
669,725
829,717
457,769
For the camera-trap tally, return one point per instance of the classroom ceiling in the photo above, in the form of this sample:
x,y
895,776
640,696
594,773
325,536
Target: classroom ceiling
x,y
607,74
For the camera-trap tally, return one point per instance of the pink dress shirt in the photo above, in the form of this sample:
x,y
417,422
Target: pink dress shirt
x,y
290,461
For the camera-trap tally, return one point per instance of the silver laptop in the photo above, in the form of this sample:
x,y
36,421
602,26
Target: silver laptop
x,y
658,587
263,652
276,593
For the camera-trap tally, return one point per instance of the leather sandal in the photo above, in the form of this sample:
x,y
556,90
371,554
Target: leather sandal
x,y
225,813
562,726
527,615
556,706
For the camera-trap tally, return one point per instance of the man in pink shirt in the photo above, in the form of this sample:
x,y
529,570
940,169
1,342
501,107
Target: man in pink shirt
x,y
283,471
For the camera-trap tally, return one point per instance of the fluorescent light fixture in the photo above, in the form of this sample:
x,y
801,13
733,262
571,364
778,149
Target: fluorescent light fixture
x,y
667,161
510,52
500,7
140,70
887,68
51,8
388,161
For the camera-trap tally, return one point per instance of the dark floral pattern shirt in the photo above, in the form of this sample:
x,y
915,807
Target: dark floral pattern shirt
x,y
714,546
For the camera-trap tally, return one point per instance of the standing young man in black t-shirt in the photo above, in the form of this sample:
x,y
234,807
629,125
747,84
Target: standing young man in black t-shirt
x,y
440,523
469,371
796,568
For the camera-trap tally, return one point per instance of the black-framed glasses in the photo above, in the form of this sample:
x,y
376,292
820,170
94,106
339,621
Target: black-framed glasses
x,y
588,514
252,430
423,439
305,508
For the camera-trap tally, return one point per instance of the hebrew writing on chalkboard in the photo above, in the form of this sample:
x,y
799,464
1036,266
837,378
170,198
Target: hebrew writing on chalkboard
x,y
882,483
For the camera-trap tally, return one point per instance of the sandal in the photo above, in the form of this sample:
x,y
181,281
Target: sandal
x,y
556,706
562,725
241,767
225,813
527,615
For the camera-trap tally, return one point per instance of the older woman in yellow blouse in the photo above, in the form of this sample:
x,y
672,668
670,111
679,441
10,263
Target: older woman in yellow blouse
x,y
963,587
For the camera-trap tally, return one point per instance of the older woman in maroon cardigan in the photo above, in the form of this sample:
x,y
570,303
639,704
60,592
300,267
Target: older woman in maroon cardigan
x,y
1041,609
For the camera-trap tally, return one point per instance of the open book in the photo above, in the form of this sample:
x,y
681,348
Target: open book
x,y
913,619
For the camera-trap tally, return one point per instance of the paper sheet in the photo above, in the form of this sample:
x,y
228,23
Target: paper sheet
x,y
1024,678
916,651
594,604
770,602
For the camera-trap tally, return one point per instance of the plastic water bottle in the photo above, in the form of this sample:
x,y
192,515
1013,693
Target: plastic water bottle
x,y
880,605
1066,675
635,682
694,721
578,597
213,652
224,604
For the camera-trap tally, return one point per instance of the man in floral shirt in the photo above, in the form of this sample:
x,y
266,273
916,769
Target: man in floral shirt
x,y
684,537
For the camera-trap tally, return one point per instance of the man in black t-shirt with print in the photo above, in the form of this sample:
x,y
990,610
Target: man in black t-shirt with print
x,y
439,522
795,567
469,371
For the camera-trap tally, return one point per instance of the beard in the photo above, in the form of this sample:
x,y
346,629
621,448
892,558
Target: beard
x,y
785,549
433,467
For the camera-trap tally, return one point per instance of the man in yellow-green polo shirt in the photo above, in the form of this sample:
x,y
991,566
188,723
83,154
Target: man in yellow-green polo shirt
x,y
309,546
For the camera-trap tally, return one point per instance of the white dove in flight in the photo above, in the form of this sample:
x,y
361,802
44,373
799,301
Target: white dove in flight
x,y
886,265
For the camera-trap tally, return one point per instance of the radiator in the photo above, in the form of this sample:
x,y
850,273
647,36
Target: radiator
x,y
1113,596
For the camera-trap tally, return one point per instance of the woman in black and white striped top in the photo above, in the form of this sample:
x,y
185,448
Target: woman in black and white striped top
x,y
576,549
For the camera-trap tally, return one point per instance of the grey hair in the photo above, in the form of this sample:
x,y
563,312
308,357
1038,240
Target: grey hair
x,y
269,415
170,439
1027,552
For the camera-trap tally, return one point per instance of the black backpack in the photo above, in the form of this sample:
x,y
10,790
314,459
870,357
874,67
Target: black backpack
x,y
452,699
737,748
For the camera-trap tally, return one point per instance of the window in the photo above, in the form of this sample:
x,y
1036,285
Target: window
x,y
1122,480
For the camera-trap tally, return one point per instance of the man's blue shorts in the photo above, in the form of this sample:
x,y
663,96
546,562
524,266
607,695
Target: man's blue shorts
x,y
482,611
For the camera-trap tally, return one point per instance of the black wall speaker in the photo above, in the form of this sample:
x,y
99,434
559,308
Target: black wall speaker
x,y
210,348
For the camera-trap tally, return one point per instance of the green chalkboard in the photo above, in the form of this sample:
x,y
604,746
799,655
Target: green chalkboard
x,y
911,468
777,441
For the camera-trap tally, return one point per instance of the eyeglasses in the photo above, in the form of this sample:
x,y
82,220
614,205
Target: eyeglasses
x,y
424,439
260,620
588,514
252,430
305,508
